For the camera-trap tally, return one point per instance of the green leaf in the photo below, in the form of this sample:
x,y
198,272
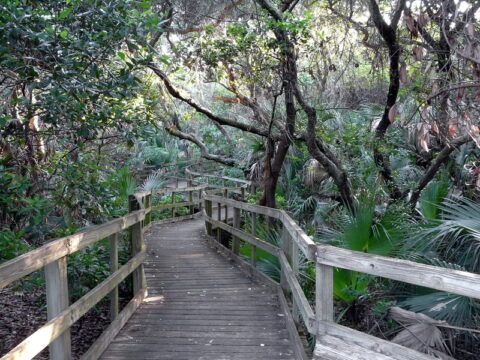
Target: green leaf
x,y
64,13
122,55
165,59
63,34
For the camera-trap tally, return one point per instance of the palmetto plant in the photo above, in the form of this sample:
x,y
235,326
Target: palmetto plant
x,y
366,229
455,237
313,173
153,181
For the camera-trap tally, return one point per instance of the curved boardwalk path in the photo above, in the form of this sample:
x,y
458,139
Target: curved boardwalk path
x,y
200,305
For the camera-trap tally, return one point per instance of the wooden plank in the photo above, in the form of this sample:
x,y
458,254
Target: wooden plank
x,y
175,205
190,200
331,348
236,225
286,253
114,267
36,259
254,235
434,277
56,282
298,294
208,213
176,189
272,249
323,296
303,241
41,338
173,220
295,268
371,343
101,344
291,328
262,210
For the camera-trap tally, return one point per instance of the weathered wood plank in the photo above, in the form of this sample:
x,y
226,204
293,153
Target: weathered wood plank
x,y
175,205
434,277
323,296
114,305
292,329
36,259
177,189
244,236
262,210
298,294
101,344
56,281
372,343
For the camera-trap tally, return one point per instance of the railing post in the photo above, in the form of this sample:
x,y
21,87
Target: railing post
x,y
295,268
148,203
323,295
114,267
242,189
286,246
190,197
138,245
254,233
219,218
236,225
225,195
200,200
56,282
208,210
174,200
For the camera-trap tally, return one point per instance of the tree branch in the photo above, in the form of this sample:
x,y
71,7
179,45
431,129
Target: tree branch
x,y
435,165
172,130
221,120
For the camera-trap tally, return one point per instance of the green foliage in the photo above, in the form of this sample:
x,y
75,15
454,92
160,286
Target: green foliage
x,y
11,245
455,237
432,197
366,229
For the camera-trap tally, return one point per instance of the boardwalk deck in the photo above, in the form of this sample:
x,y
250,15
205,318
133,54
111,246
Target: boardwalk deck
x,y
200,306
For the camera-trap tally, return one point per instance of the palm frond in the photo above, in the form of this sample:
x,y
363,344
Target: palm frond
x,y
153,181
420,333
456,236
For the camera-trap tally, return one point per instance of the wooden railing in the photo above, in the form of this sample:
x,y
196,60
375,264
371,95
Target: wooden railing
x,y
230,215
52,258
295,242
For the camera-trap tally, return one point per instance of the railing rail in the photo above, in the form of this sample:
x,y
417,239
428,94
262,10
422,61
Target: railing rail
x,y
61,315
327,258
52,257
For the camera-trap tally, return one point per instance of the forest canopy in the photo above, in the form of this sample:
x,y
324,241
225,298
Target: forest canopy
x,y
358,117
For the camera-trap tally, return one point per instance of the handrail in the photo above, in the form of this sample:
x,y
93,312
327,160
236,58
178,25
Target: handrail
x,y
52,257
326,257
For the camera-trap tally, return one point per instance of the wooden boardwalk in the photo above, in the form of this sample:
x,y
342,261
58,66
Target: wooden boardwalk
x,y
200,305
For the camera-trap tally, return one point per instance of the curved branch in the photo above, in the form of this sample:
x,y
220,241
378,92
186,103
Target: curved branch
x,y
172,130
441,158
221,120
389,35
